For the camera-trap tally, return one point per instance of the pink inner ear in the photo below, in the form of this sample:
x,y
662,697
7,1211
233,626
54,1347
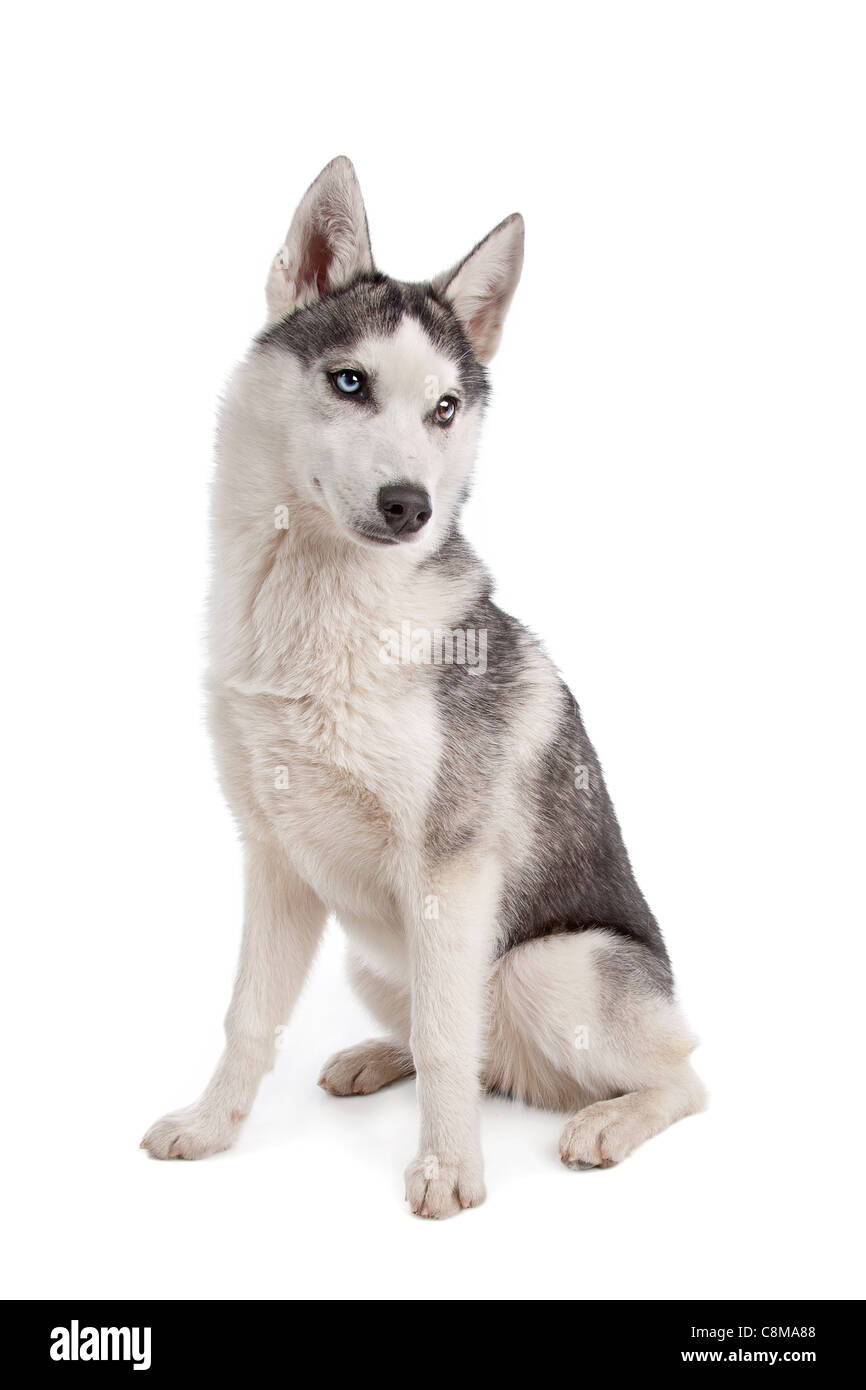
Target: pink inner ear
x,y
486,323
316,264
480,324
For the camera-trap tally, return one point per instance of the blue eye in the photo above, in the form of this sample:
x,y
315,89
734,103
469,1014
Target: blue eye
x,y
349,382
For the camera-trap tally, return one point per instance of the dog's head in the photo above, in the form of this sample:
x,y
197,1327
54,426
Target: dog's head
x,y
376,387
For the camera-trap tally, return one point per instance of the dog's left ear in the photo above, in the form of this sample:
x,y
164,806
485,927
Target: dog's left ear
x,y
327,245
482,287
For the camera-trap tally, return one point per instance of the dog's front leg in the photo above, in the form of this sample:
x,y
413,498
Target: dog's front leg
x,y
451,936
283,921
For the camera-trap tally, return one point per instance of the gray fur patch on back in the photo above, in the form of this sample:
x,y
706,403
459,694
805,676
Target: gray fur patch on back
x,y
578,873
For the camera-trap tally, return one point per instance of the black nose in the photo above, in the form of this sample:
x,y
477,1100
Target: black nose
x,y
405,509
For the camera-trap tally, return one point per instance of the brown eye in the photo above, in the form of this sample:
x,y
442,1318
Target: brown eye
x,y
445,410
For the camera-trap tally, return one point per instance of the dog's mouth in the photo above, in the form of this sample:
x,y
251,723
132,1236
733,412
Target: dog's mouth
x,y
368,528
371,536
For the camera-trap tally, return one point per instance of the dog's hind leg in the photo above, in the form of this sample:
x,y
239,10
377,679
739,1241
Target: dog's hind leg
x,y
370,1065
583,1022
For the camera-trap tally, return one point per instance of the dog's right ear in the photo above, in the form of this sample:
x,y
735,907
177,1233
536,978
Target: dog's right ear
x,y
327,245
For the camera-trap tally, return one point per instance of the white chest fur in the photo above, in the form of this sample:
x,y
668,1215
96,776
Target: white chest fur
x,y
327,743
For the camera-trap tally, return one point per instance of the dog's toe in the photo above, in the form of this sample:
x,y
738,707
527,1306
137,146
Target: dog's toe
x,y
600,1136
192,1133
437,1189
361,1070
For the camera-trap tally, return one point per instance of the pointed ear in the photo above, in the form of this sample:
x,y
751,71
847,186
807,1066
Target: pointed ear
x,y
482,287
327,244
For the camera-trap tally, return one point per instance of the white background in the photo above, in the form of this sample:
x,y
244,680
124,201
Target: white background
x,y
669,493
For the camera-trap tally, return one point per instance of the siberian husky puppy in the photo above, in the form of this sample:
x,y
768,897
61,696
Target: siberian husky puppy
x,y
398,751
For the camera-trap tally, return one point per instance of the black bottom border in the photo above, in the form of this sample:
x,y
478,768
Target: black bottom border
x,y
162,1340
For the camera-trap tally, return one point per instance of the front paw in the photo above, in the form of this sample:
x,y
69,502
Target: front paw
x,y
438,1188
192,1133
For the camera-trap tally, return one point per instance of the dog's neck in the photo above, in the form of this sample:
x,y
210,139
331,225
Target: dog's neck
x,y
295,604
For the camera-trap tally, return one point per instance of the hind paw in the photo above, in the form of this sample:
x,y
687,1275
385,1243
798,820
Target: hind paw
x,y
602,1135
365,1068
